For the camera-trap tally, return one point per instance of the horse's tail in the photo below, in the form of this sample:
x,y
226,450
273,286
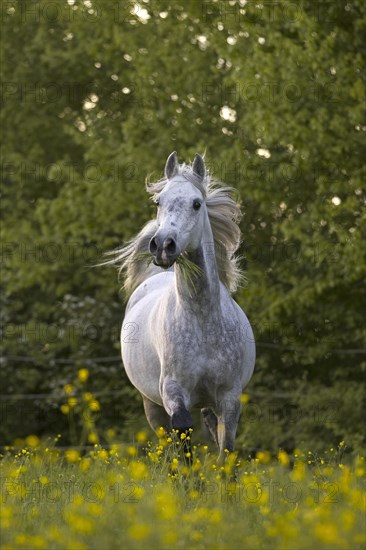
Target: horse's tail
x,y
135,259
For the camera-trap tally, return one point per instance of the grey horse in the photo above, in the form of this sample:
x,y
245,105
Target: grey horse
x,y
185,342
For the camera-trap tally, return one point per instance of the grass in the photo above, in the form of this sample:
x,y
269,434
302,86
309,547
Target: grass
x,y
189,270
145,496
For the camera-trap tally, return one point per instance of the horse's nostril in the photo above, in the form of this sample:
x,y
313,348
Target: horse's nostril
x,y
169,245
153,246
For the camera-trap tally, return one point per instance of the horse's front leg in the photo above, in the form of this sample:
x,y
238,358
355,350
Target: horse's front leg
x,y
210,421
174,403
228,418
156,415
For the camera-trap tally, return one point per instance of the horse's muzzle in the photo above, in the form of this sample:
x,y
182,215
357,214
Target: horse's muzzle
x,y
164,251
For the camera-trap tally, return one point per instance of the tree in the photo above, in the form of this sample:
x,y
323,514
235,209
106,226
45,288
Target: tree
x,y
94,97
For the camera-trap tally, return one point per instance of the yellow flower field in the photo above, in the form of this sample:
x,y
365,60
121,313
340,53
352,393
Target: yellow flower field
x,y
146,496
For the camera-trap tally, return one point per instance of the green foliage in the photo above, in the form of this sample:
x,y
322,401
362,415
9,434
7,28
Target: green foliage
x,y
93,101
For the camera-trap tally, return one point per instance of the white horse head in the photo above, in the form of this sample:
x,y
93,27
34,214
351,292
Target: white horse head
x,y
181,212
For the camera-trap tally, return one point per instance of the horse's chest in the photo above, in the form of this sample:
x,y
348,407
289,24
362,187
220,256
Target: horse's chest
x,y
202,346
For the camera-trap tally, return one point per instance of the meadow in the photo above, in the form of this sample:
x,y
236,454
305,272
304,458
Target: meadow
x,y
145,495
95,95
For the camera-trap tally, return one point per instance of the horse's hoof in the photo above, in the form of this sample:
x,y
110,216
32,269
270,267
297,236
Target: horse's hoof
x,y
182,421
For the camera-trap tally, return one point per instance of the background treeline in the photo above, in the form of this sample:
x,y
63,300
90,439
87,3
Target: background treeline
x,y
95,95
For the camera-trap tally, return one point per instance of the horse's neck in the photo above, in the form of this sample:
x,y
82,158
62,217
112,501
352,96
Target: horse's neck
x,y
205,292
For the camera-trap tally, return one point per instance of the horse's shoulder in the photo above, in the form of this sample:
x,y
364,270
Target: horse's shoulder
x,y
154,283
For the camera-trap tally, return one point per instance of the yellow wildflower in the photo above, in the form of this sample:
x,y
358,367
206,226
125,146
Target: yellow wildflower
x,y
37,542
94,405
33,441
87,396
72,455
166,505
139,531
160,432
244,398
215,516
348,519
83,375
6,514
264,457
110,433
103,454
93,437
327,533
72,402
283,458
80,524
55,533
141,437
138,470
95,509
298,473
84,464
131,450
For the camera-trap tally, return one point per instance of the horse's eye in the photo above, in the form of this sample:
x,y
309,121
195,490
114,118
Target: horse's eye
x,y
156,202
196,205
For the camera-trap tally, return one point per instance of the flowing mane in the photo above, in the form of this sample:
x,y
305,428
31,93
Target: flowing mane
x,y
224,215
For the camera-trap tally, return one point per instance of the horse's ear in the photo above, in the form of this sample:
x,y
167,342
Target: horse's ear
x,y
171,166
199,167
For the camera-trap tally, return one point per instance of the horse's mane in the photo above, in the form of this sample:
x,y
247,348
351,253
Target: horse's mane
x,y
224,215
